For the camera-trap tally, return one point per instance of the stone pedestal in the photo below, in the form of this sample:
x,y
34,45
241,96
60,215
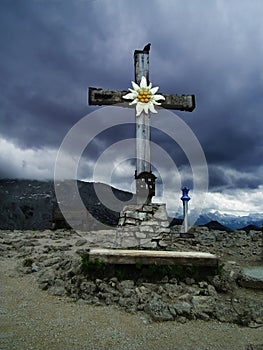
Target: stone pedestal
x,y
153,214
143,225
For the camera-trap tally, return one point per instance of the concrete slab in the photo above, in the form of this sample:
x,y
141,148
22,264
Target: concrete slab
x,y
148,257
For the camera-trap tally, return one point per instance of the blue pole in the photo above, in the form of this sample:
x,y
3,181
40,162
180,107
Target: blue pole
x,y
185,199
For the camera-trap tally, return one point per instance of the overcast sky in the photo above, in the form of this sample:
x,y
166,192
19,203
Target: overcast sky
x,y
53,50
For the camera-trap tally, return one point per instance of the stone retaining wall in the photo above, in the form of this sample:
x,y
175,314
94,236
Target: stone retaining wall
x,y
127,237
140,226
57,259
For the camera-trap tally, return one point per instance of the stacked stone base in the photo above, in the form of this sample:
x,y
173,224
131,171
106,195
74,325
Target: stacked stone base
x,y
148,215
140,226
140,237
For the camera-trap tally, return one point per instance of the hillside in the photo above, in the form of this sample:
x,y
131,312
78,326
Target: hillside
x,y
32,204
27,204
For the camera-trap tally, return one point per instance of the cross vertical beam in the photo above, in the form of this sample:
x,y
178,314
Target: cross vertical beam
x,y
145,180
141,65
143,137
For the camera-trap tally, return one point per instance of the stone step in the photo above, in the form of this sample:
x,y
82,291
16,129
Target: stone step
x,y
148,257
252,277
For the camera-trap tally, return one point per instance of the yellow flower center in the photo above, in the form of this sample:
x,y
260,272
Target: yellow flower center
x,y
144,96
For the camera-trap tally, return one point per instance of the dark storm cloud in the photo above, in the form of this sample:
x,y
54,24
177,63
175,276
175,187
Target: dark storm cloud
x,y
51,51
222,178
45,80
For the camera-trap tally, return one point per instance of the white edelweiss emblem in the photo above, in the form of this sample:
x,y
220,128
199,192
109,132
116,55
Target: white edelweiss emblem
x,y
144,96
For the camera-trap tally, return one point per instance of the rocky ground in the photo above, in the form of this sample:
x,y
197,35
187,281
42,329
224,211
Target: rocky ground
x,y
55,261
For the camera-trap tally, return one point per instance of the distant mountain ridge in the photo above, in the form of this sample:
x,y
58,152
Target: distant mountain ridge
x,y
231,221
31,204
215,225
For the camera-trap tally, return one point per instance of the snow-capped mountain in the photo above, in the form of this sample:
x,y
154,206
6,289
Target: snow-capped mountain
x,y
231,221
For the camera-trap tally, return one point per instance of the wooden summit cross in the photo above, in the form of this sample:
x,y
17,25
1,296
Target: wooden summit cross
x,y
145,179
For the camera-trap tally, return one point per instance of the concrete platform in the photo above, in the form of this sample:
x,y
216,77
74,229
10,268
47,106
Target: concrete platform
x,y
148,257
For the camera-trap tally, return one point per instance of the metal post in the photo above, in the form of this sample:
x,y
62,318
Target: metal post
x,y
185,210
185,199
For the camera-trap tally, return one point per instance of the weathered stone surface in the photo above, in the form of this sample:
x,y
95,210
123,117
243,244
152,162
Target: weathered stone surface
x,y
46,278
254,347
52,261
142,216
149,215
161,213
60,273
87,287
183,309
127,232
146,228
228,276
225,313
203,304
124,285
162,244
151,222
161,230
130,221
140,235
144,236
81,242
147,243
148,208
130,242
165,224
35,268
132,207
58,288
158,310
250,282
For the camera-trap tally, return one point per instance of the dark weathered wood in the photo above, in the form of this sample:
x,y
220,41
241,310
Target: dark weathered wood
x,y
179,102
101,97
149,257
141,65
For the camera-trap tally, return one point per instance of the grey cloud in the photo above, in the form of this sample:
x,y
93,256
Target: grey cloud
x,y
52,51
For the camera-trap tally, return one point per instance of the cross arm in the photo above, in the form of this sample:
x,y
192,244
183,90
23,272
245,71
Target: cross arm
x,y
101,97
98,96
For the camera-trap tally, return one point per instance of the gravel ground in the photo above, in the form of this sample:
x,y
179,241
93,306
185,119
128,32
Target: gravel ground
x,y
32,319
